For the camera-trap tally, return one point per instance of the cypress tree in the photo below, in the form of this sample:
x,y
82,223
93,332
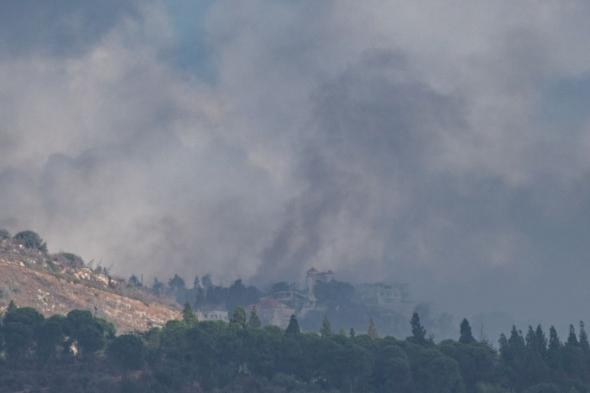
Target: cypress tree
x,y
584,338
293,327
418,331
352,333
254,321
466,336
572,340
188,316
541,341
326,329
238,317
554,350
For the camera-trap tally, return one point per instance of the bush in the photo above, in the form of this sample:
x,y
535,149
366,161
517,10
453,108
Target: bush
x,y
30,239
4,234
69,259
127,351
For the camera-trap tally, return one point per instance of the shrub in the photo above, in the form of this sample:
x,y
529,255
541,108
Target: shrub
x,y
30,239
69,259
4,234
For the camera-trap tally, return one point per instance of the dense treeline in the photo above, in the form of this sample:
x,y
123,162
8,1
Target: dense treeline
x,y
81,353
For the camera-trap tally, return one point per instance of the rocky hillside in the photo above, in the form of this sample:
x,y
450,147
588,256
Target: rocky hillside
x,y
56,284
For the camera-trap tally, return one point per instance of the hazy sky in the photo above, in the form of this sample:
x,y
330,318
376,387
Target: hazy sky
x,y
441,143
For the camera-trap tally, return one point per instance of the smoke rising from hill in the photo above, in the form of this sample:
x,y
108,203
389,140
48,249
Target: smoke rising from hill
x,y
437,143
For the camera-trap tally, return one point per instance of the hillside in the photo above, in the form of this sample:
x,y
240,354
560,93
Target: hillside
x,y
57,284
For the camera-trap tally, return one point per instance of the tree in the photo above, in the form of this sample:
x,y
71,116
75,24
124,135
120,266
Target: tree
x,y
176,283
554,350
584,338
157,287
238,317
352,333
134,282
127,351
31,240
541,341
50,336
254,321
372,329
20,326
466,336
326,329
293,327
86,331
572,340
4,234
188,316
418,331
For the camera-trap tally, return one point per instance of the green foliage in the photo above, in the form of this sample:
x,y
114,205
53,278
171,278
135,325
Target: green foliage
x,y
418,331
30,239
220,357
188,315
326,329
466,336
127,352
4,234
88,332
254,321
238,317
19,327
69,259
293,327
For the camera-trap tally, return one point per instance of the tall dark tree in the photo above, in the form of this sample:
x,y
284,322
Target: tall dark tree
x,y
418,331
326,329
238,317
572,340
554,350
584,338
254,321
466,336
293,327
541,341
176,283
188,315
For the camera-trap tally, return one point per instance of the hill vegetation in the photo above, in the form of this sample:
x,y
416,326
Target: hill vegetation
x,y
82,353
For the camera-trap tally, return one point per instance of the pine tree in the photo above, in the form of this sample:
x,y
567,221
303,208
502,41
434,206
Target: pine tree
x,y
572,340
11,307
554,350
531,339
238,317
418,331
254,321
541,341
372,330
352,333
584,338
188,316
504,350
293,327
466,336
326,329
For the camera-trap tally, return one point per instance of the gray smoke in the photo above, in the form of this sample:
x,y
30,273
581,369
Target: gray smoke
x,y
439,143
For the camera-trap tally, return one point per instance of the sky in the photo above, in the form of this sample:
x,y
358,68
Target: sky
x,y
440,143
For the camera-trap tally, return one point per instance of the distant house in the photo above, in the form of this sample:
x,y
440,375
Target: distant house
x,y
213,315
